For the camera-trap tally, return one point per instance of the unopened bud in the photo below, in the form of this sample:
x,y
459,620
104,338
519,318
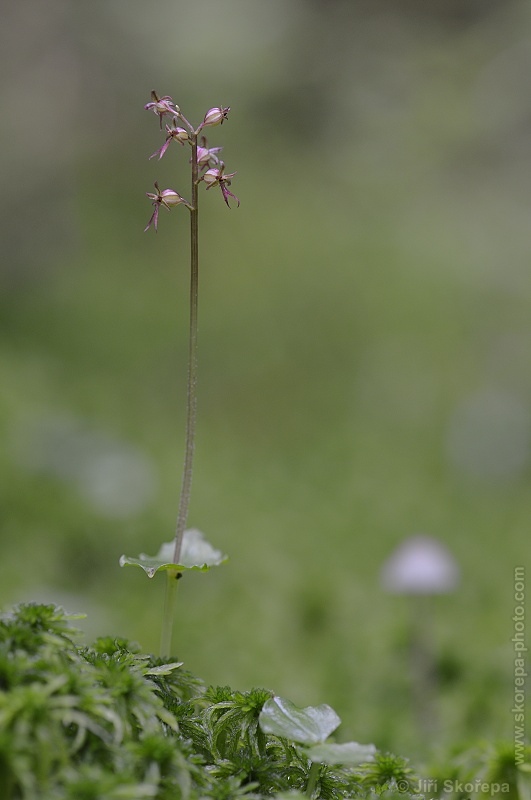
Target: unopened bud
x,y
161,106
170,198
211,177
203,156
180,134
167,198
216,116
215,176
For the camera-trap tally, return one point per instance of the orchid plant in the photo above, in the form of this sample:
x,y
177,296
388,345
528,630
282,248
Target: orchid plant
x,y
188,549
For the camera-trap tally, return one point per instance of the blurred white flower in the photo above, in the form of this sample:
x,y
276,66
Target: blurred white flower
x,y
420,565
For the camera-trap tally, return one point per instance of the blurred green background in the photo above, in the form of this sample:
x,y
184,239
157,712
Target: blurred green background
x,y
365,336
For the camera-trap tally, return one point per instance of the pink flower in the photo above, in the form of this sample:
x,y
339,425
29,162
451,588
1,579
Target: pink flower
x,y
207,155
161,106
215,116
173,133
167,198
216,177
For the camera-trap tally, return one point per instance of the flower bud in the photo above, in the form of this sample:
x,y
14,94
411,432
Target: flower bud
x,y
212,176
215,176
207,156
180,134
216,116
169,198
161,106
173,132
203,156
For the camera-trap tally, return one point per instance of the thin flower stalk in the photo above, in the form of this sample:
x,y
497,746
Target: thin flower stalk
x,y
191,406
208,168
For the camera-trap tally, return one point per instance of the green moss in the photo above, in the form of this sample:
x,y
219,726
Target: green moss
x,y
106,721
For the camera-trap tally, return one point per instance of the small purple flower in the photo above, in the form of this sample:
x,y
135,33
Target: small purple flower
x,y
207,156
216,177
161,106
215,116
167,198
173,133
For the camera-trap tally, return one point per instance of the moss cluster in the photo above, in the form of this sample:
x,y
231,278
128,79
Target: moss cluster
x,y
105,722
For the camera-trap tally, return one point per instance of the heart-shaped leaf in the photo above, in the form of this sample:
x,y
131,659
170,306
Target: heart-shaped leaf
x,y
310,725
349,753
196,553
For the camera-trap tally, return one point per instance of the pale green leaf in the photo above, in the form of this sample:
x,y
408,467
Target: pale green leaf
x,y
164,669
310,725
196,554
349,753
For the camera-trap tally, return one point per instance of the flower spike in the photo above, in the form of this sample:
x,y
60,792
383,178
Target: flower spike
x,y
161,106
205,165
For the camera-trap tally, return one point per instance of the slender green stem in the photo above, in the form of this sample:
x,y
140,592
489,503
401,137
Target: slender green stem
x,y
167,616
312,779
191,408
